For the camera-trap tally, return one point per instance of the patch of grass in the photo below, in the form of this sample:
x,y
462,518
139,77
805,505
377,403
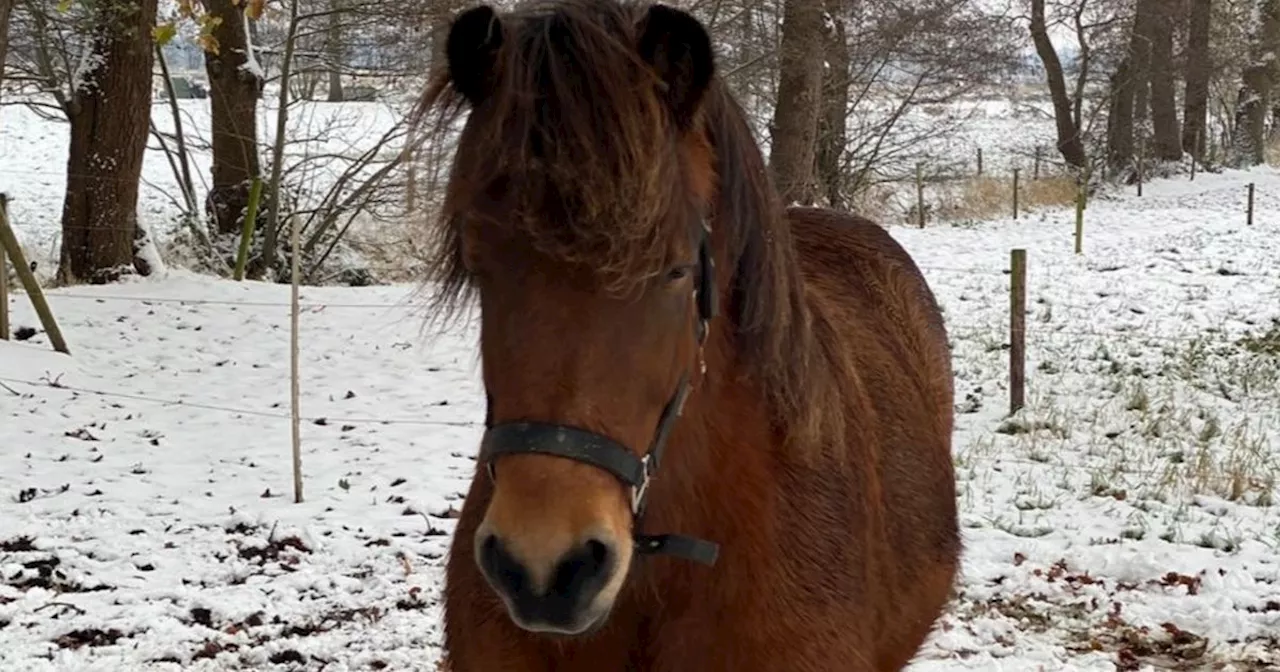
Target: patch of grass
x,y
987,197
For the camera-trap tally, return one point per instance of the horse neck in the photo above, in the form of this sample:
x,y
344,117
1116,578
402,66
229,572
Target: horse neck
x,y
723,435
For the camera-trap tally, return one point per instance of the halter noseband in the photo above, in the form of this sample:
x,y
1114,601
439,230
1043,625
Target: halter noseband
x,y
602,452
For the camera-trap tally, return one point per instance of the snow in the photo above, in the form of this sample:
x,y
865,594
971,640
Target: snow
x,y
251,64
1125,518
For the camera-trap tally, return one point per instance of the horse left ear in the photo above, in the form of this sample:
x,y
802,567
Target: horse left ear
x,y
472,50
678,48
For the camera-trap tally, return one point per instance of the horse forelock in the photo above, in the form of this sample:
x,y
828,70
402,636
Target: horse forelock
x,y
576,139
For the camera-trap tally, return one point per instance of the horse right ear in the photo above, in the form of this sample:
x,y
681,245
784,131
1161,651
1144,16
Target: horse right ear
x,y
678,48
472,50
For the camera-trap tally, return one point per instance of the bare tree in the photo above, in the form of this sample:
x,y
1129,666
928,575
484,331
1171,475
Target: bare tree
x,y
1258,82
6,11
1066,112
1120,118
108,140
1164,106
1140,61
795,123
833,127
235,83
1196,71
333,50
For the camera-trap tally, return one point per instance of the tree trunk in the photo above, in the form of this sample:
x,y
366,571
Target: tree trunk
x,y
1197,69
1120,120
1140,60
1164,106
1070,144
333,51
233,96
109,115
6,10
1249,142
833,124
795,120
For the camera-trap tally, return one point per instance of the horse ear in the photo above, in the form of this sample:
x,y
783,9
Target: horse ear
x,y
678,48
472,50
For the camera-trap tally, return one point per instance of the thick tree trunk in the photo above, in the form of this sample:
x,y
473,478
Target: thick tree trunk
x,y
833,123
110,118
1120,120
1195,106
1164,105
1140,61
233,96
1070,144
333,51
1249,141
6,10
795,118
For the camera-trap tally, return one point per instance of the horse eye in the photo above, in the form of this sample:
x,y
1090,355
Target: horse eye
x,y
679,273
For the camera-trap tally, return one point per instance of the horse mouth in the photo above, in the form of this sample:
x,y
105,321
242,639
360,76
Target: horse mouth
x,y
587,625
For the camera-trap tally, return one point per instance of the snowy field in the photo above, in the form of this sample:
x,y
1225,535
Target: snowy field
x,y
1126,519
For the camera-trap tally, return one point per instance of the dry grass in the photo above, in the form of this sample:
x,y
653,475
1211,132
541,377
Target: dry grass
x,y
987,197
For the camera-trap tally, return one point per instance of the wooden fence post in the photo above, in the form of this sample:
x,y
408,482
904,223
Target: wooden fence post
x,y
979,162
1017,330
295,415
4,291
1248,218
9,243
1080,196
1015,193
920,192
1035,175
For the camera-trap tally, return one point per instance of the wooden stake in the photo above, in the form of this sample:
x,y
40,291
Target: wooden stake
x,y
1248,217
4,293
9,243
1015,193
1080,196
1017,330
920,192
979,162
1035,175
295,414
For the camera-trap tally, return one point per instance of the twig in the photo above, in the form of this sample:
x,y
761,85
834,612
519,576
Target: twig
x,y
64,605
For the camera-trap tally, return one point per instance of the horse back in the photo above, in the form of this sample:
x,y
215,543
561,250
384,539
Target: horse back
x,y
872,294
881,322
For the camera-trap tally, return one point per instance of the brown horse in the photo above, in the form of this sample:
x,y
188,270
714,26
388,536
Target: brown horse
x,y
606,198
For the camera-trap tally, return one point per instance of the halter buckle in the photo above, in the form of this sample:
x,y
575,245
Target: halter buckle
x,y
638,492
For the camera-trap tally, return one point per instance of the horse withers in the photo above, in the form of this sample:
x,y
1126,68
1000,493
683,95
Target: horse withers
x,y
718,434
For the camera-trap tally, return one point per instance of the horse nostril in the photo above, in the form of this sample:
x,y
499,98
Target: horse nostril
x,y
599,551
500,567
585,571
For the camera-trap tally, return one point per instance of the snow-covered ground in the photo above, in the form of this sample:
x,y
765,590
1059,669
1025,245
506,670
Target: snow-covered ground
x,y
1126,519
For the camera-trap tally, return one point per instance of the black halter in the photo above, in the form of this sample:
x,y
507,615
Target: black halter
x,y
602,452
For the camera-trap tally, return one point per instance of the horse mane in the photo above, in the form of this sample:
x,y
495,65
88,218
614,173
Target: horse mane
x,y
573,124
